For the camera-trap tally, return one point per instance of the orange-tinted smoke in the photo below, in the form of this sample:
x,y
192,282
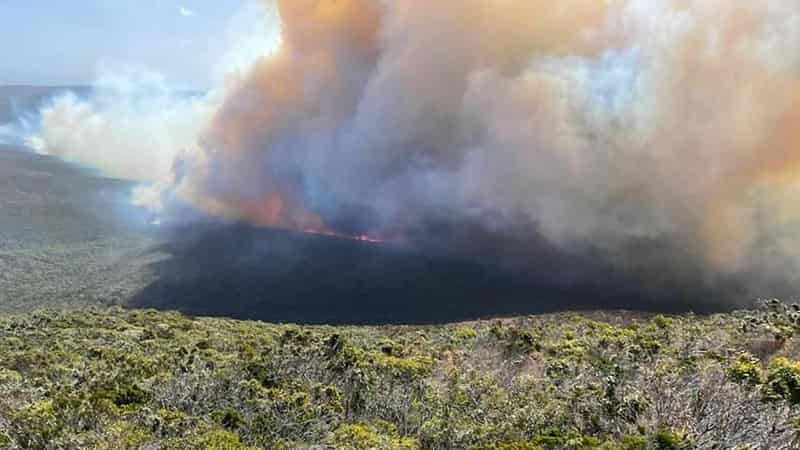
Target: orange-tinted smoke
x,y
601,122
319,74
304,81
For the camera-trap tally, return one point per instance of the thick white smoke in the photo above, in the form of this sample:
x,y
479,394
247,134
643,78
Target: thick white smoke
x,y
129,128
601,122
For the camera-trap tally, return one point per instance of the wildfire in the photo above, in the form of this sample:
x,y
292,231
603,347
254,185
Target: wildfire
x,y
276,211
351,237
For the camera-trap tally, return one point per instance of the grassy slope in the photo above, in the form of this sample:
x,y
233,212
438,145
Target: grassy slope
x,y
114,378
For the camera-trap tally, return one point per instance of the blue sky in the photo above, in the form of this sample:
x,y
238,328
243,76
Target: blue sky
x,y
68,41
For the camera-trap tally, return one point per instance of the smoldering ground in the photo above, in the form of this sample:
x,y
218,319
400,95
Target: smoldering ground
x,y
635,152
268,274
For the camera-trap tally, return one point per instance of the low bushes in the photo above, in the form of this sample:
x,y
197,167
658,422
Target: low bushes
x,y
111,378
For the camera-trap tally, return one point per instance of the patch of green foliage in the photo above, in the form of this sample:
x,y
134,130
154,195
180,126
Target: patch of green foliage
x,y
131,379
746,369
783,380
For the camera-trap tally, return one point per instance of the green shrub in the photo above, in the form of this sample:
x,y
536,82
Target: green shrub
x,y
556,439
516,339
297,336
408,368
390,347
38,425
9,377
650,346
219,440
261,371
172,423
124,395
517,445
356,437
464,333
746,369
5,440
662,321
329,398
633,443
88,379
612,336
229,418
124,436
669,440
558,369
783,380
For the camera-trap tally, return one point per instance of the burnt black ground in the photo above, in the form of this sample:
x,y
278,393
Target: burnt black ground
x,y
280,276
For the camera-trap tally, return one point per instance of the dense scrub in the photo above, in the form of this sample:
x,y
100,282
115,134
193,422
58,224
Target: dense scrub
x,y
117,379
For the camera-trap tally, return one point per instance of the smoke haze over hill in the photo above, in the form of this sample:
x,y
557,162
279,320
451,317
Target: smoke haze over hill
x,y
658,138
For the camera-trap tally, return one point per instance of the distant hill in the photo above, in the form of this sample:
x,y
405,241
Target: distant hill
x,y
15,100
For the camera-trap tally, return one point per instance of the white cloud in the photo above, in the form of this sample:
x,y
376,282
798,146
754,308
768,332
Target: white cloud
x,y
186,12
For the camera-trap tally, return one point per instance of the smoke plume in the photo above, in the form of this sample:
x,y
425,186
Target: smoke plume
x,y
662,137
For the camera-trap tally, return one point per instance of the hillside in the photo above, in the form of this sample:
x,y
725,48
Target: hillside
x,y
70,237
67,236
116,378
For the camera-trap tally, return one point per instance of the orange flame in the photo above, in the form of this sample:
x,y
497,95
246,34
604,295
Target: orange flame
x,y
274,211
351,237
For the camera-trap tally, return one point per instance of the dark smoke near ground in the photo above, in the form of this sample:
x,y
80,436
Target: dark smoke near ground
x,y
644,152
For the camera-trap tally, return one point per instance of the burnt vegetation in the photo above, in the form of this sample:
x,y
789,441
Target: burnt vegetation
x,y
288,276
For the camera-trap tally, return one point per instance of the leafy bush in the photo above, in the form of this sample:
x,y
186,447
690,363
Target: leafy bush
x,y
669,440
119,379
663,321
783,380
361,436
746,369
516,339
517,445
464,333
219,440
37,425
230,419
125,395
